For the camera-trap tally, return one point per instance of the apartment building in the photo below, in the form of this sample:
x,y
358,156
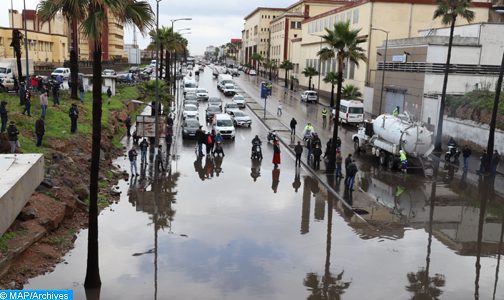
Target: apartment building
x,y
112,42
376,19
256,33
47,42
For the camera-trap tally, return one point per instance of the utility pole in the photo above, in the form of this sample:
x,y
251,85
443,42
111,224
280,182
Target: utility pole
x,y
383,70
493,121
27,81
156,106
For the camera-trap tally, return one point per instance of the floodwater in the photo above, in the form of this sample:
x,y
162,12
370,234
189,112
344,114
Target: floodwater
x,y
229,228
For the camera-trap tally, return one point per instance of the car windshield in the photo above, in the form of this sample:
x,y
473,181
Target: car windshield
x,y
213,109
238,98
190,108
191,97
191,123
214,100
224,123
355,110
58,71
239,114
231,105
201,91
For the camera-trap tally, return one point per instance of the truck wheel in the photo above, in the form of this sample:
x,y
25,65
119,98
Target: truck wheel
x,y
383,158
356,145
390,162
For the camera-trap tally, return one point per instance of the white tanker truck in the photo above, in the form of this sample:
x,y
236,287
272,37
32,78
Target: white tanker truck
x,y
386,135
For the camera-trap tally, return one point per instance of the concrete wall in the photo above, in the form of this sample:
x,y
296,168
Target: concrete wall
x,y
468,55
469,131
26,171
108,81
457,83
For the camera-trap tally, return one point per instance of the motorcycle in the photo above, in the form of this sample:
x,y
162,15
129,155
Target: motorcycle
x,y
256,152
453,153
272,135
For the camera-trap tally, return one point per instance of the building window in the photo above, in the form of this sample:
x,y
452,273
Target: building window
x,y
295,25
255,30
356,16
351,73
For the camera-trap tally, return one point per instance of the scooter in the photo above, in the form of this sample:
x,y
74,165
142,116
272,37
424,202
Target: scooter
x,y
256,152
272,135
453,153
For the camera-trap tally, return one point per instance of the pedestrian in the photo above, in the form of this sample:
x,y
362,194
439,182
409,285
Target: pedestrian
x,y
135,137
132,155
324,117
298,149
109,94
159,159
200,139
276,153
466,153
293,124
218,144
404,160
348,161
22,93
483,162
317,153
81,91
39,130
395,113
495,162
328,148
3,115
144,146
279,110
13,133
168,141
169,120
352,171
27,104
44,101
309,149
339,160
55,91
74,115
127,122
209,143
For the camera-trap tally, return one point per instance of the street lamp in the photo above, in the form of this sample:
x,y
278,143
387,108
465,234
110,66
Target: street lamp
x,y
383,70
319,67
156,107
175,58
27,81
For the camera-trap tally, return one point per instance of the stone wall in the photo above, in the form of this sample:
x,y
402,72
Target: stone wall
x,y
472,133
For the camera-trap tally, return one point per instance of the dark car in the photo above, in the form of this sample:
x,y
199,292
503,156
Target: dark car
x,y
189,128
211,111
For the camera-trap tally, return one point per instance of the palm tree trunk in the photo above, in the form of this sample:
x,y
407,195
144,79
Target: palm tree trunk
x,y
292,84
270,75
332,155
93,271
439,135
309,83
286,73
332,95
161,58
16,44
74,61
168,65
174,88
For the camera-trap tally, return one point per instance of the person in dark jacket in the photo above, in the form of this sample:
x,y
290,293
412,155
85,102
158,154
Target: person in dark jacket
x,y
200,139
39,130
466,153
109,94
13,133
298,149
127,122
74,115
55,91
144,146
132,155
352,171
495,162
3,115
317,153
483,162
293,124
27,104
348,161
339,160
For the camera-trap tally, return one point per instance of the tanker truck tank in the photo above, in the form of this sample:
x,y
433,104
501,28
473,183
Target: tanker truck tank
x,y
414,138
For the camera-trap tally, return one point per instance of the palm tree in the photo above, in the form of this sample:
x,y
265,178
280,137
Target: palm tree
x,y
310,72
269,64
449,11
345,44
17,40
351,92
216,53
331,78
95,14
258,59
74,12
287,66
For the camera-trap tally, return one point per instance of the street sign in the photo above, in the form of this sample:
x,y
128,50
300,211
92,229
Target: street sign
x,y
145,126
266,88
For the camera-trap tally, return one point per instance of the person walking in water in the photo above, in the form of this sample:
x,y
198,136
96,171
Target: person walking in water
x,y
324,117
298,149
276,153
293,124
279,110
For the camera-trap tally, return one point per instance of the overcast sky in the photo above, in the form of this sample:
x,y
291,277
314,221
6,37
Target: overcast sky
x,y
213,22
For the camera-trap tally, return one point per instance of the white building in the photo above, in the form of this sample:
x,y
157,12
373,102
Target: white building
x,y
133,52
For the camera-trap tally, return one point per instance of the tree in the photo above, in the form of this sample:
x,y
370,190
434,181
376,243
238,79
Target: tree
x,y
17,38
351,92
96,13
331,78
216,53
287,66
449,11
269,64
74,12
345,44
258,59
310,72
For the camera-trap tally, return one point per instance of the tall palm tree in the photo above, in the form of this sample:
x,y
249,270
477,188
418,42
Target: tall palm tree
x,y
351,92
449,11
345,44
331,78
95,14
74,12
269,64
310,72
17,40
258,59
163,35
216,53
287,66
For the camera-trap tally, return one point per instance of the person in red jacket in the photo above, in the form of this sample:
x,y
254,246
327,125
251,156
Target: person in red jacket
x,y
276,153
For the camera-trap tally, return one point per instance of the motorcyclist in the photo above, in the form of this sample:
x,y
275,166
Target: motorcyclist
x,y
452,146
315,140
307,132
256,141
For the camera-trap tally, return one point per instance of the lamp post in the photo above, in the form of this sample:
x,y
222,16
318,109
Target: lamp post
x,y
175,59
319,68
156,106
383,70
27,81
12,13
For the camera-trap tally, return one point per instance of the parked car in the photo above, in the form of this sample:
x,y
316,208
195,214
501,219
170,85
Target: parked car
x,y
309,96
189,128
240,118
191,96
109,72
224,125
215,101
202,94
252,72
193,102
231,106
64,72
239,100
211,111
190,111
124,78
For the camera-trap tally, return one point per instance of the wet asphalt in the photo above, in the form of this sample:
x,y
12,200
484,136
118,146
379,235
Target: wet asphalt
x,y
229,228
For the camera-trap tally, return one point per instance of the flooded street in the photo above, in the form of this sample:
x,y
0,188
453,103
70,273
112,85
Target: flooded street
x,y
229,228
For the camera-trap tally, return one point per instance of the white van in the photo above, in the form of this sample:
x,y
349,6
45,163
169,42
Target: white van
x,y
222,80
224,125
189,85
351,111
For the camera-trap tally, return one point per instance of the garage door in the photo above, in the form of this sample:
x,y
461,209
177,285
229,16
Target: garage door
x,y
394,98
